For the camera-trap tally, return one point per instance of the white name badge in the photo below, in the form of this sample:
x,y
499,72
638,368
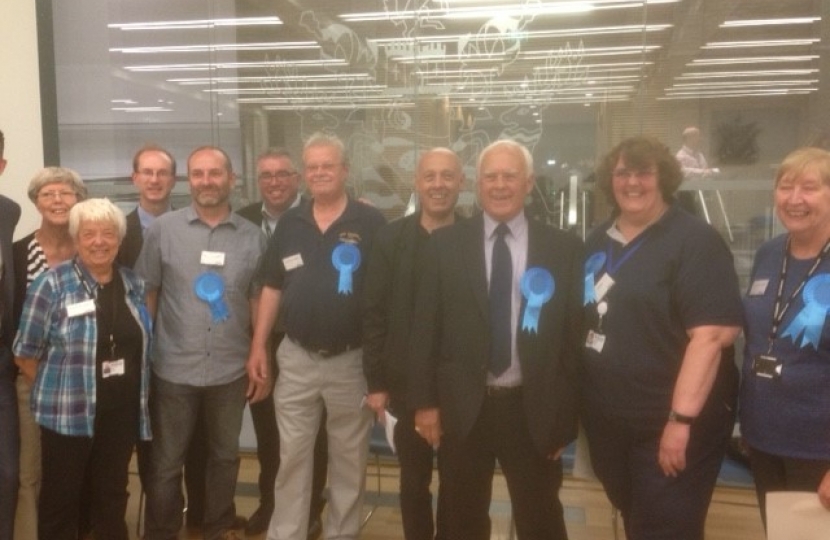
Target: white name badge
x,y
595,341
759,287
80,308
113,368
602,286
213,258
293,261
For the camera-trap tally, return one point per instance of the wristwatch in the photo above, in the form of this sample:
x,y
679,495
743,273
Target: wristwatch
x,y
675,416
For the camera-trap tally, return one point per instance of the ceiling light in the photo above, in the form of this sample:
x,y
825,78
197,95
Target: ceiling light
x,y
770,22
760,43
275,46
197,23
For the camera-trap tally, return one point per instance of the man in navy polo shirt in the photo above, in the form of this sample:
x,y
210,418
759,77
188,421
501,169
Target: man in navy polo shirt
x,y
313,276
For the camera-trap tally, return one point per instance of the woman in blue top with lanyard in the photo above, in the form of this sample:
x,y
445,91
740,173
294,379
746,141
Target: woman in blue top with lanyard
x,y
785,390
83,340
662,304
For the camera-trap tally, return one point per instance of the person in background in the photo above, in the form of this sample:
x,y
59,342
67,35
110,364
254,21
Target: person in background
x,y
313,277
83,340
785,388
392,278
494,363
199,263
9,422
54,191
694,166
662,304
279,186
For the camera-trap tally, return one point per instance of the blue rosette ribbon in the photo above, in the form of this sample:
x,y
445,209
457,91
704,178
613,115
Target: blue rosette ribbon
x,y
593,265
537,287
346,259
810,320
210,287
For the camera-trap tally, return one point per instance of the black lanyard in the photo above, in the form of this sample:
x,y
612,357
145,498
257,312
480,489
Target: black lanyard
x,y
779,311
93,294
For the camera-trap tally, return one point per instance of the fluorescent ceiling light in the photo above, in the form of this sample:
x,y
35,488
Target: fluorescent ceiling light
x,y
758,73
274,46
196,23
236,65
751,60
760,43
745,84
141,109
770,22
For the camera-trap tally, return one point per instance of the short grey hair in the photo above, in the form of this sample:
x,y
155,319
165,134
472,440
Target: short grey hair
x,y
324,139
508,143
57,175
99,210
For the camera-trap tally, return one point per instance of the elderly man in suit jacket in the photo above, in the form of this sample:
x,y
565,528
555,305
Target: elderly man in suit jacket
x,y
493,371
9,430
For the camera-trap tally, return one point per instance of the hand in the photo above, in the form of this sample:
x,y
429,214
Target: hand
x,y
554,456
259,379
377,401
824,491
428,425
673,443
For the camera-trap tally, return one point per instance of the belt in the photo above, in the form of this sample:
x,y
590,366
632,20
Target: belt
x,y
328,352
502,391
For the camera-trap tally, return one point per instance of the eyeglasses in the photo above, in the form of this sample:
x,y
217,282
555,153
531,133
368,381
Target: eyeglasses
x,y
63,194
161,173
626,174
279,175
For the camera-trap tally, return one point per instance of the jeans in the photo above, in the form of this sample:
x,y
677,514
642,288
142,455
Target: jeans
x,y
9,444
174,411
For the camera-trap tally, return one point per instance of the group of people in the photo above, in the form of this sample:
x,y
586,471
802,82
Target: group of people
x,y
488,337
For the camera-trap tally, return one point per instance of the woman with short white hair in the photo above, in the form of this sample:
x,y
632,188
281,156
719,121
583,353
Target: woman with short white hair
x,y
83,339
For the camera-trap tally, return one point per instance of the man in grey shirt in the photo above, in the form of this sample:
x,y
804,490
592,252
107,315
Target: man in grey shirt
x,y
199,263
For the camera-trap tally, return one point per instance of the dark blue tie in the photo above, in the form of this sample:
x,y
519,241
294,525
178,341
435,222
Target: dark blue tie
x,y
501,297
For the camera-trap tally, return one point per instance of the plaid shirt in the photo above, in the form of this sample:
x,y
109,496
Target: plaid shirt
x,y
63,396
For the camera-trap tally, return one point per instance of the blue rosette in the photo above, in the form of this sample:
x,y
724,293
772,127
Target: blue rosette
x,y
810,320
593,265
210,287
346,260
537,286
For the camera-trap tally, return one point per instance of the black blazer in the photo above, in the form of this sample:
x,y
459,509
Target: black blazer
x,y
131,245
253,213
451,342
10,212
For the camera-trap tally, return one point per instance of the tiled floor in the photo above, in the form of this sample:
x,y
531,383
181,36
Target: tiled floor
x,y
732,516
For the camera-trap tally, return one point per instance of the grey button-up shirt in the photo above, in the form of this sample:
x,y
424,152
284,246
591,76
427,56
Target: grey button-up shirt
x,y
190,348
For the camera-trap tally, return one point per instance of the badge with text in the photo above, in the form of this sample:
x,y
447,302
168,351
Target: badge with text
x,y
80,308
292,261
346,260
810,320
112,368
210,287
595,341
213,258
537,287
593,265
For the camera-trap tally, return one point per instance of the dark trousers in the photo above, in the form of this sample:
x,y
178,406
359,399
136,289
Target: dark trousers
x,y
467,467
105,459
655,506
415,456
9,444
779,473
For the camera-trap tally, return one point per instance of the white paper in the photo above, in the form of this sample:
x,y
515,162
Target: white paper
x,y
796,515
389,428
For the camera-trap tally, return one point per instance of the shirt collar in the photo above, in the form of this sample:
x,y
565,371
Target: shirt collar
x,y
267,215
146,218
517,225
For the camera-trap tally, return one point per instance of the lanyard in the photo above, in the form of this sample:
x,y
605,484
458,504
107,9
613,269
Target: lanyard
x,y
779,311
93,294
611,267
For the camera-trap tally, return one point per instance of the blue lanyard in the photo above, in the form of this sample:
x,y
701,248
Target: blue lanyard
x,y
628,250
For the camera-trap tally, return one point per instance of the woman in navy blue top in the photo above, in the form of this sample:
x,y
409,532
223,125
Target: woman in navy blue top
x,y
662,304
785,390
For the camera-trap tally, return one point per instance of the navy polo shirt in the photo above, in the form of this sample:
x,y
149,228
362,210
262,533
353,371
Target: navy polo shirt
x,y
680,275
313,309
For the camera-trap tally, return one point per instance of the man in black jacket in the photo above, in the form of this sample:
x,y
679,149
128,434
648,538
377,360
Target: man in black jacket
x,y
392,280
279,184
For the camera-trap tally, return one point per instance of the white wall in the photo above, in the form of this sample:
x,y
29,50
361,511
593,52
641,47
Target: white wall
x,y
20,105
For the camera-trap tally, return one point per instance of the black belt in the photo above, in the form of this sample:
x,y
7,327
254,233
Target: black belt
x,y
327,352
502,391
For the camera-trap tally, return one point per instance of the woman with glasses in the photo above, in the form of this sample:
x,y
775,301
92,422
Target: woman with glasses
x,y
54,191
785,388
662,304
83,341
